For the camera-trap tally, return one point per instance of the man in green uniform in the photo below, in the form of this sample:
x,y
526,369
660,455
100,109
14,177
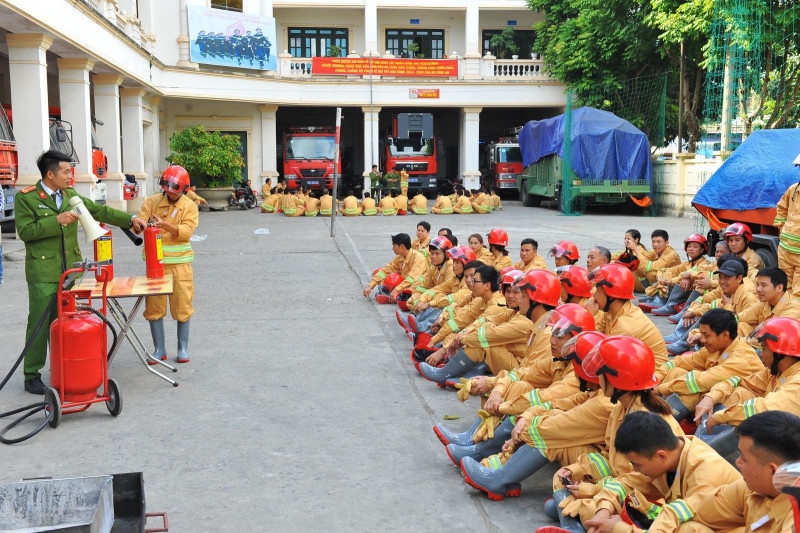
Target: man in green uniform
x,y
48,226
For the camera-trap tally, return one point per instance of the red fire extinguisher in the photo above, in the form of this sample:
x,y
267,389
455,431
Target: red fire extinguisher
x,y
104,251
153,252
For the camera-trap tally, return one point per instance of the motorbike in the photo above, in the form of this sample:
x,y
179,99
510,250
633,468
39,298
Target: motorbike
x,y
243,196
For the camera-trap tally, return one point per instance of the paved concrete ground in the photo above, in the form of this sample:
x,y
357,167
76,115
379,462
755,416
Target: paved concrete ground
x,y
300,409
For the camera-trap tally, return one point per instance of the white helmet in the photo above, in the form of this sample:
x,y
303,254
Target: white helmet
x,y
796,161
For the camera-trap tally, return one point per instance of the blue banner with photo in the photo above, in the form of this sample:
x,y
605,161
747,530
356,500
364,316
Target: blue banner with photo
x,y
231,39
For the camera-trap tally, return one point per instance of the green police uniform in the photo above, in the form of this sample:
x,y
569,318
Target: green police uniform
x,y
50,248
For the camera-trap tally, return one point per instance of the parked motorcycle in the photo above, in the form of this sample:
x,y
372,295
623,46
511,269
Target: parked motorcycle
x,y
243,196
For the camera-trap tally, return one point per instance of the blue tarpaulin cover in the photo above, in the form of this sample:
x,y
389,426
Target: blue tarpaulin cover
x,y
604,146
756,174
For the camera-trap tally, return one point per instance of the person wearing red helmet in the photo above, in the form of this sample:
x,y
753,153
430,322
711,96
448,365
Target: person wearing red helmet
x,y
774,388
498,241
565,253
407,262
674,285
529,257
177,216
738,237
614,312
575,286
651,261
47,225
440,271
625,367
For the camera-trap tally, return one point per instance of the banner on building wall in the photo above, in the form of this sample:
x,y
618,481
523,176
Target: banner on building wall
x,y
423,93
363,66
231,39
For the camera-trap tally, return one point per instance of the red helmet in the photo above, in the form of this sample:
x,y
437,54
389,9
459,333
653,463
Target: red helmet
x,y
542,286
566,249
402,300
175,178
781,334
616,280
578,347
440,242
392,280
627,362
570,319
628,260
737,228
696,237
509,275
575,280
464,254
498,237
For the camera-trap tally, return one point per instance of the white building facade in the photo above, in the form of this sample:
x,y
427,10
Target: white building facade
x,y
128,63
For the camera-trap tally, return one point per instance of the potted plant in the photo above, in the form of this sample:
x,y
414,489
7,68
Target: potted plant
x,y
213,161
334,51
412,49
504,42
534,53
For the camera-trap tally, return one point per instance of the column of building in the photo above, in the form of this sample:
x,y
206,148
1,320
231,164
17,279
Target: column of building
x,y
371,147
133,142
106,109
73,85
472,36
470,136
184,40
269,145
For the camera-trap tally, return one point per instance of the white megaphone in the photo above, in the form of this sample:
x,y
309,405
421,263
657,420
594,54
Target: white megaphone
x,y
90,226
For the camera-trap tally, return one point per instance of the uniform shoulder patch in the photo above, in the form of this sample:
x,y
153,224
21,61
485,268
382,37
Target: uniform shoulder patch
x,y
26,190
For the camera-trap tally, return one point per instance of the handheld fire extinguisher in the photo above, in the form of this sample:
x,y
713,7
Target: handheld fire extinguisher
x,y
153,251
104,252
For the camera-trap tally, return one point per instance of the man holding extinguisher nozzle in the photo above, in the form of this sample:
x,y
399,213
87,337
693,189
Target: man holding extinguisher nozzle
x,y
46,223
177,216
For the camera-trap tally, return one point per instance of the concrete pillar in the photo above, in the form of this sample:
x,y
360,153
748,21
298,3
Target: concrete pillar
x,y
269,145
470,136
266,9
371,28
146,11
472,34
148,138
158,161
133,141
73,86
28,79
371,148
106,109
184,59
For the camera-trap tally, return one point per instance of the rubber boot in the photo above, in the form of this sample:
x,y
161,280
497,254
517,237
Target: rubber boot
x,y
676,296
505,481
183,342
477,370
451,437
159,345
483,449
679,410
569,523
681,332
456,366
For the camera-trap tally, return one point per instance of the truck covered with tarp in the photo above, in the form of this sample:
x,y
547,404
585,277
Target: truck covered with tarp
x,y
748,186
609,161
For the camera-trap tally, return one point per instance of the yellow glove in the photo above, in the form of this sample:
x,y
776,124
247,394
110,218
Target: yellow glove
x,y
499,459
485,430
463,389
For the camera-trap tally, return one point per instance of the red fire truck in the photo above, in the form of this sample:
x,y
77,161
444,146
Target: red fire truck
x,y
413,147
9,169
308,154
503,160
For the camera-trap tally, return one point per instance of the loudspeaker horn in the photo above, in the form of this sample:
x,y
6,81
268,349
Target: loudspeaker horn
x,y
90,226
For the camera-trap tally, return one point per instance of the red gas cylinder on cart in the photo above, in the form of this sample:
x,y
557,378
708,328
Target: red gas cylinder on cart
x,y
77,352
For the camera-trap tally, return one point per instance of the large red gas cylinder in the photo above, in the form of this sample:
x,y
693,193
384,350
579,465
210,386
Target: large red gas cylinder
x,y
78,347
153,252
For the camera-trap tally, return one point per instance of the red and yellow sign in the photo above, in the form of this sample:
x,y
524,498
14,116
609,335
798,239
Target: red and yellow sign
x,y
423,93
405,68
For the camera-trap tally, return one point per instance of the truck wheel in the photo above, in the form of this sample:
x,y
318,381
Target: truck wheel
x,y
524,196
766,256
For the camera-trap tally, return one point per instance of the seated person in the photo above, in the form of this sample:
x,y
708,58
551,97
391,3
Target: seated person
x,y
350,207
418,204
387,206
443,206
368,207
674,285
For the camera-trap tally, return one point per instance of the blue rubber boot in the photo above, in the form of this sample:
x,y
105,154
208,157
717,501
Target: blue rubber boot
x,y
504,481
483,449
569,523
183,342
679,410
456,366
681,332
159,345
451,437
678,347
477,370
676,296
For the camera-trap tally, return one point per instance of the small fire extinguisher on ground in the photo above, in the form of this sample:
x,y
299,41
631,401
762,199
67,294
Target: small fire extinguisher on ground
x,y
104,252
153,252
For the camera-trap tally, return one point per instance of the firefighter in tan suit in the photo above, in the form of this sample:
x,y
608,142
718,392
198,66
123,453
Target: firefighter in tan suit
x,y
787,219
774,300
443,205
408,263
177,217
529,257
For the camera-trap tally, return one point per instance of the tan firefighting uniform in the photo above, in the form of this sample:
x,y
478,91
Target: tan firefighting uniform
x,y
496,203
533,387
758,312
443,206
401,204
290,207
756,393
499,342
675,274
537,263
462,205
368,207
418,204
499,262
196,198
594,467
411,266
350,207
482,204
271,203
404,183
421,245
691,376
266,189
312,207
743,298
787,219
178,256
434,277
700,471
631,321
754,262
457,319
387,207
453,293
727,508
650,262
326,205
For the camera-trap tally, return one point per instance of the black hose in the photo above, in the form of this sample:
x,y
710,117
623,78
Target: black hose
x,y
102,317
135,239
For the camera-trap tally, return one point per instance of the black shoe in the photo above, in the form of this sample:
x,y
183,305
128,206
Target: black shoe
x,y
35,386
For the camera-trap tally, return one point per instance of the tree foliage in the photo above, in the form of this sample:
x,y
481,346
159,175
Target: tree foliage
x,y
211,159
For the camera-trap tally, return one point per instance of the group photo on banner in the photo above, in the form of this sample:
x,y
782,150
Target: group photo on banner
x,y
231,39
